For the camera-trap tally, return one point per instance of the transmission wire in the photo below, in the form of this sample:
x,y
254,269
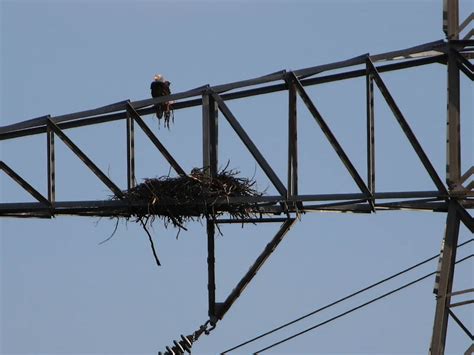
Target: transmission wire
x,y
340,300
358,307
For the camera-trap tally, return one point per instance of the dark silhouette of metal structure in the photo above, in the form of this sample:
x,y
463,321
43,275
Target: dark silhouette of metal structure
x,y
453,197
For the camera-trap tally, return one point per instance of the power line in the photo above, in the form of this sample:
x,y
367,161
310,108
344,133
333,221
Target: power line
x,y
358,307
340,300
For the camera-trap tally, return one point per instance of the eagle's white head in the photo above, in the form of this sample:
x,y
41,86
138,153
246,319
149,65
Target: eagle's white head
x,y
159,77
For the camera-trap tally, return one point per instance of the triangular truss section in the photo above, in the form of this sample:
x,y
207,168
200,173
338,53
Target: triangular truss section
x,y
375,76
257,155
217,310
24,184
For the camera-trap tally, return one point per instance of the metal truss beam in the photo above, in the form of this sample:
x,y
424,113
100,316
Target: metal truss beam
x,y
25,185
406,128
85,159
453,199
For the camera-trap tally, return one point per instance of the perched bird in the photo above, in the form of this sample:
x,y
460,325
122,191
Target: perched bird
x,y
161,87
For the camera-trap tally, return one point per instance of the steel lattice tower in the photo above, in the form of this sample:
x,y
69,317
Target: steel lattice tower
x,y
453,197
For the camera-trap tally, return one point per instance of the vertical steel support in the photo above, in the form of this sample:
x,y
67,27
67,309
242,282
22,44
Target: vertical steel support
x,y
210,161
453,136
453,176
210,134
292,141
370,132
51,165
453,142
446,275
130,152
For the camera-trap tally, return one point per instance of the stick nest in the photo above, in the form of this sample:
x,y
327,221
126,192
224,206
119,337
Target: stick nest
x,y
178,200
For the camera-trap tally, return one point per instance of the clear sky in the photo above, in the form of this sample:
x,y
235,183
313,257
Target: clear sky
x,y
62,293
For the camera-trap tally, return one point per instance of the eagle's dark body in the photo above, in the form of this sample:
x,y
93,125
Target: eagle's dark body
x,y
160,88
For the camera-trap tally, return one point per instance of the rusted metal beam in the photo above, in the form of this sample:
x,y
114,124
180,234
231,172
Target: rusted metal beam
x,y
453,123
447,261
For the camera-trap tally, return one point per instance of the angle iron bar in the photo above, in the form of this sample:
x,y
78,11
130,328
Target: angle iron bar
x,y
211,270
6,132
461,325
250,145
130,152
279,75
154,139
406,128
210,134
462,303
466,22
420,206
271,246
465,217
446,273
125,210
274,77
331,137
337,204
292,140
355,208
457,293
117,204
85,159
250,220
51,165
464,61
23,183
469,34
467,175
466,72
307,72
439,45
369,84
453,140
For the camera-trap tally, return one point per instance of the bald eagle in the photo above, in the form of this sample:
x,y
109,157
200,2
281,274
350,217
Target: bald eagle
x,y
161,87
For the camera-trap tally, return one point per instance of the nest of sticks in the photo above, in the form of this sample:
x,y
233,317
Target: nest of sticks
x,y
178,200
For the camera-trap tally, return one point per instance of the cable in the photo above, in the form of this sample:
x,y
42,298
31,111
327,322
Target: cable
x,y
340,300
358,307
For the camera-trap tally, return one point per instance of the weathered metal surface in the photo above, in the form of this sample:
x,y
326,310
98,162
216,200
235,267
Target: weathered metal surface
x,y
448,259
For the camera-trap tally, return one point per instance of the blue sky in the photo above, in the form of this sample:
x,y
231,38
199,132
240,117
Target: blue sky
x,y
62,293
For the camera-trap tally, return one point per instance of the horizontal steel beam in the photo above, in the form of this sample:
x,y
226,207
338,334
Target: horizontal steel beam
x,y
264,204
10,132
